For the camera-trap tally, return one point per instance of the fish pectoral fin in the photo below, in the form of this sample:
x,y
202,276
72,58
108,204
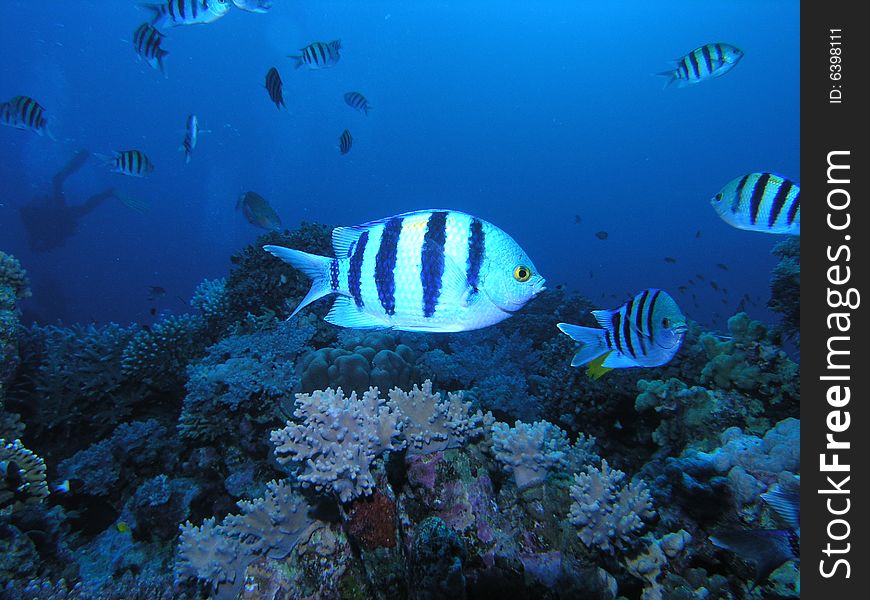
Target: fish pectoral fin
x,y
345,313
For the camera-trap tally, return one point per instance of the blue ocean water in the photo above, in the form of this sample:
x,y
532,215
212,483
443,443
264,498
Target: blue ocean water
x,y
524,114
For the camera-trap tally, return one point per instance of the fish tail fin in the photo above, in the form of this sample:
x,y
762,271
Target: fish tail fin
x,y
298,58
313,266
593,340
671,75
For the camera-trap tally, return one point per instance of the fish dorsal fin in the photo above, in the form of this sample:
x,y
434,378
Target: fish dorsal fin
x,y
344,238
346,314
604,318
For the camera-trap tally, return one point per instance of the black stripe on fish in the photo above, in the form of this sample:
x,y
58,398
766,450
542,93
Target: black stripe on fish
x,y
649,315
638,320
333,274
626,328
432,259
171,10
735,203
795,206
708,60
385,265
345,141
779,201
756,196
607,339
194,5
476,244
354,274
696,70
615,320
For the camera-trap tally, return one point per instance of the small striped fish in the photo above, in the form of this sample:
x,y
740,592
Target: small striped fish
x,y
318,55
703,63
428,270
146,42
345,141
275,88
129,162
172,13
23,112
646,331
191,135
761,202
357,101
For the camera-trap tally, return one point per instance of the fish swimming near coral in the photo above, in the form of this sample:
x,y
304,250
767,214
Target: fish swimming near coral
x,y
768,548
172,13
646,331
318,55
23,112
146,42
760,202
703,63
275,87
426,270
258,211
357,101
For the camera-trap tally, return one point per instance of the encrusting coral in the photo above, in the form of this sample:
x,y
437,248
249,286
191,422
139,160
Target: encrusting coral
x,y
22,477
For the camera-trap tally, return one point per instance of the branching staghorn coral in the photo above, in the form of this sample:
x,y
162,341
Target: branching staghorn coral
x,y
531,451
158,356
210,299
607,510
14,284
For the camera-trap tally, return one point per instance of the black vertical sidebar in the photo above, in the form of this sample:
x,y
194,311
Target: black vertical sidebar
x,y
835,365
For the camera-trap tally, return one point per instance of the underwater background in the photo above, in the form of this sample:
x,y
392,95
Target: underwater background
x,y
148,369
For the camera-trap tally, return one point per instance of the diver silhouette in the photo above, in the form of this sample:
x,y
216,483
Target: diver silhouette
x,y
50,221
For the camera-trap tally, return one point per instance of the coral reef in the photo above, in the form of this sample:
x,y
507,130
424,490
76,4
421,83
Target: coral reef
x,y
22,477
210,300
14,286
158,356
606,510
785,286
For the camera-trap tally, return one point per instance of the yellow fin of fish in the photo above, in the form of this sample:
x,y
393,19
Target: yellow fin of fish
x,y
596,369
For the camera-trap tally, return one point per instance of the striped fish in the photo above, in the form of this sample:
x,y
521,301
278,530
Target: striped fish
x,y
146,42
129,162
172,13
275,88
191,135
703,63
427,270
318,55
345,141
23,112
646,331
761,202
357,101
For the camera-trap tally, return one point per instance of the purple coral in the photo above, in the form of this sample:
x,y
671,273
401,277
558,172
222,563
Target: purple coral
x,y
606,510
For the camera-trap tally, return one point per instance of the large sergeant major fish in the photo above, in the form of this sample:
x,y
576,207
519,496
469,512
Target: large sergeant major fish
x,y
427,270
703,63
172,13
318,55
760,202
23,112
646,331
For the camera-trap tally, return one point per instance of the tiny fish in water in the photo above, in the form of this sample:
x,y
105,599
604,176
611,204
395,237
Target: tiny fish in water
x,y
714,285
722,266
768,548
683,289
703,63
601,235
760,202
577,219
258,211
191,134
155,291
427,270
699,276
257,6
691,282
23,112
646,331
146,42
345,141
275,88
318,55
670,259
134,163
698,233
357,101
172,13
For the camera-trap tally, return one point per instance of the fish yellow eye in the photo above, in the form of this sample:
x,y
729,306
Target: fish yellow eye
x,y
522,273
666,322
